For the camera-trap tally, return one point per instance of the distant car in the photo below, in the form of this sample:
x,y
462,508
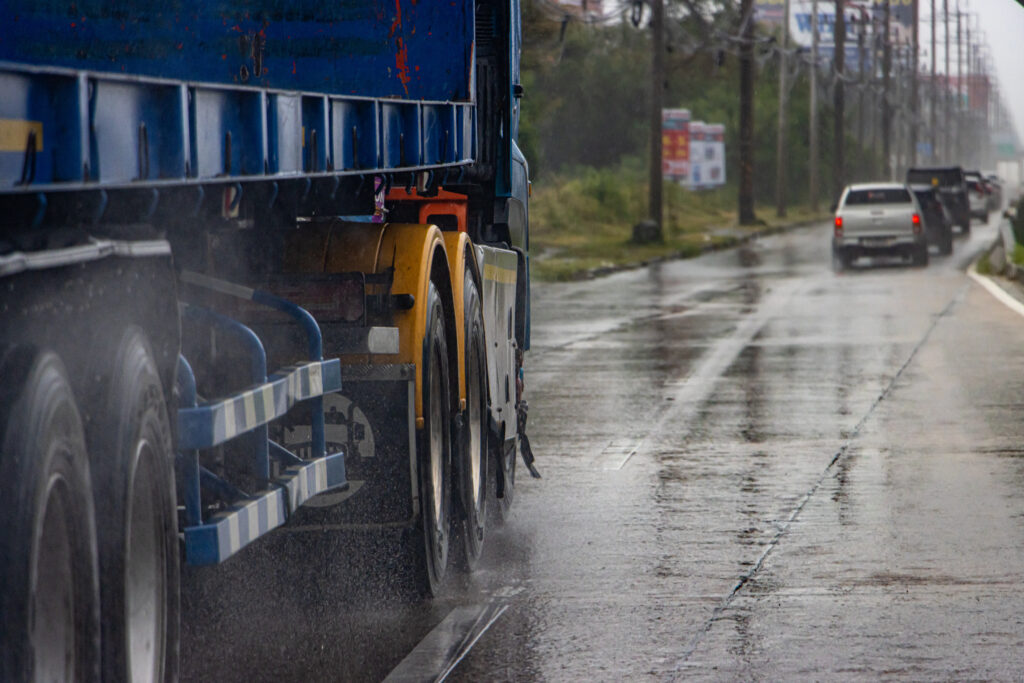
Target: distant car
x,y
977,194
876,219
949,180
995,198
937,219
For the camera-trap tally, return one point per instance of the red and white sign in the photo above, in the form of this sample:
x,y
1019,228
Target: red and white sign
x,y
675,144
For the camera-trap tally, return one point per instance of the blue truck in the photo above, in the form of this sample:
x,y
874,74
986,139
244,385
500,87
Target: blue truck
x,y
263,268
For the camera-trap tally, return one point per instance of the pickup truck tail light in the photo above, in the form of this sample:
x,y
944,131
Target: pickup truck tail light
x,y
916,220
839,226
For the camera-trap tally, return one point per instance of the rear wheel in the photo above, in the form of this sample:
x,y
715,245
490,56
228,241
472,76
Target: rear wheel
x,y
49,580
431,539
473,456
946,246
138,534
841,259
920,256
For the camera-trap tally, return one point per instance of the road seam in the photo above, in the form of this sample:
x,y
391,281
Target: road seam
x,y
784,528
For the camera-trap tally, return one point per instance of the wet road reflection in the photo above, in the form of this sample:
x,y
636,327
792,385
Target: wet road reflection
x,y
754,468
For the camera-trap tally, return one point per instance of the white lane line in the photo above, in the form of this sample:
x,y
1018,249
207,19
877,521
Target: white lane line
x,y
995,290
698,385
447,644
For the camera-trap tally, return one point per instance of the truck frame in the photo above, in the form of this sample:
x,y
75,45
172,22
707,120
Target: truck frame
x,y
263,266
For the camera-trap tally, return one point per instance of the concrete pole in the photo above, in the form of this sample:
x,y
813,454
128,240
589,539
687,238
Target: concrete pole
x,y
657,88
839,102
862,76
886,88
780,149
746,188
946,123
934,93
914,103
813,180
958,124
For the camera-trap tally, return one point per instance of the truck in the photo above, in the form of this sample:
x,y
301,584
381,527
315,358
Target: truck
x,y
263,268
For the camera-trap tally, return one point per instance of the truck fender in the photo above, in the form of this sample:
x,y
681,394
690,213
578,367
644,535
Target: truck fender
x,y
417,254
459,249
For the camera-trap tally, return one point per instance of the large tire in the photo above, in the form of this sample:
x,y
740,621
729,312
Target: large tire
x,y
946,245
920,256
49,578
133,475
841,260
431,538
473,455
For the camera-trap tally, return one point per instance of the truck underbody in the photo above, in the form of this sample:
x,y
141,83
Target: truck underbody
x,y
230,308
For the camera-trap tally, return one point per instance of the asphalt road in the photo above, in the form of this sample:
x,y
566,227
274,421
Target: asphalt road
x,y
754,468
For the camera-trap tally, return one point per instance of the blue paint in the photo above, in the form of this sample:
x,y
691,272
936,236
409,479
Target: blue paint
x,y
377,48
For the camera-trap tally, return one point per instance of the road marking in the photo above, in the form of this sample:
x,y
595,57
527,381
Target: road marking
x,y
693,391
995,290
437,655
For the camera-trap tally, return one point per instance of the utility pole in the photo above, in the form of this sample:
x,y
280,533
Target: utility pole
x,y
746,189
780,150
968,129
958,124
814,108
886,84
934,93
839,100
863,78
657,87
946,147
914,104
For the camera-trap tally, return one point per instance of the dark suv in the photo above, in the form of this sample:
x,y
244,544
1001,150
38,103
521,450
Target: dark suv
x,y
937,218
952,188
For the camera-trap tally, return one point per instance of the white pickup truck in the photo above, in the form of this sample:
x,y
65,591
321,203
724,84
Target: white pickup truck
x,y
878,219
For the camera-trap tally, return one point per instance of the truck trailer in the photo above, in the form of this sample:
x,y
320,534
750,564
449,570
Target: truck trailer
x,y
263,268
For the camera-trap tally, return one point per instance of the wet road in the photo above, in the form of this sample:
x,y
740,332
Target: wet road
x,y
754,468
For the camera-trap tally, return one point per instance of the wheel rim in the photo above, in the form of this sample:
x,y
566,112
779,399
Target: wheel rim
x,y
475,433
144,572
53,623
436,451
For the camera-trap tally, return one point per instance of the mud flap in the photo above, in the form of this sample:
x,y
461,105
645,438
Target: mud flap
x,y
524,440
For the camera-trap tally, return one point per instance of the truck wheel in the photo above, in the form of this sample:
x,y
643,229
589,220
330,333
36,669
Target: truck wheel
x,y
919,257
946,247
434,455
137,518
49,578
841,260
473,455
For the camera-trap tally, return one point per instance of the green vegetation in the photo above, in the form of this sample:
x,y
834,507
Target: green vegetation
x,y
1017,255
582,221
983,265
584,129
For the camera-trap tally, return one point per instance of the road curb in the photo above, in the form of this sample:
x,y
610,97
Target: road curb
x,y
729,243
994,289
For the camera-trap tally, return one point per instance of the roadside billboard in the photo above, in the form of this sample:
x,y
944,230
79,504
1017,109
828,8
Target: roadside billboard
x,y
707,155
675,144
863,18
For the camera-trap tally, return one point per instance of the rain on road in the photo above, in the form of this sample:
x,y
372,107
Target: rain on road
x,y
754,468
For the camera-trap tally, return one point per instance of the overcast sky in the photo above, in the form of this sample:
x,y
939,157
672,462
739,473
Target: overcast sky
x,y
1002,22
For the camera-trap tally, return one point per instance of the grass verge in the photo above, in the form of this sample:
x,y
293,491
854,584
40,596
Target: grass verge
x,y
581,224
